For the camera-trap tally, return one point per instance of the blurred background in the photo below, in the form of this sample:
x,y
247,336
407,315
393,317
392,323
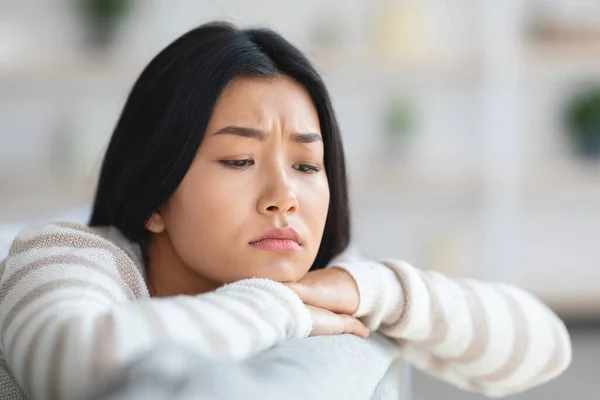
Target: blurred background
x,y
471,129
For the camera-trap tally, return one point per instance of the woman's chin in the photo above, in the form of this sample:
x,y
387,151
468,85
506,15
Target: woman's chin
x,y
280,270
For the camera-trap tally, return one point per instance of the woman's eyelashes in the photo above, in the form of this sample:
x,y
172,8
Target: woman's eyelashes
x,y
248,162
307,168
237,164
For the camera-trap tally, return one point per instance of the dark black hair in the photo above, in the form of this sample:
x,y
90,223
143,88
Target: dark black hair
x,y
165,116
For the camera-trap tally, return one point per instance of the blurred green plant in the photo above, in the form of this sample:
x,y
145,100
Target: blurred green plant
x,y
103,18
400,119
583,122
399,128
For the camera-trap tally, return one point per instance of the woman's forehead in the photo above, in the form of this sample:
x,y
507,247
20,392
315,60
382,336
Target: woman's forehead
x,y
263,103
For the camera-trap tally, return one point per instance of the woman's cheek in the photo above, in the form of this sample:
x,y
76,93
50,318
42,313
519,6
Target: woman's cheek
x,y
316,197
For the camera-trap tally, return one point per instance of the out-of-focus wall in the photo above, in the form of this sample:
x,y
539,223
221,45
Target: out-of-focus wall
x,y
452,115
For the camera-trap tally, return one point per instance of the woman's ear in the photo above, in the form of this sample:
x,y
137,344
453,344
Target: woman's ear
x,y
155,223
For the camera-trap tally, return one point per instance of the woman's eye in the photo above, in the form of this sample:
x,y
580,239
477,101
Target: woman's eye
x,y
237,164
307,169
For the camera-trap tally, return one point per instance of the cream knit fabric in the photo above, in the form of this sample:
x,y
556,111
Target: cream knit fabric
x,y
74,305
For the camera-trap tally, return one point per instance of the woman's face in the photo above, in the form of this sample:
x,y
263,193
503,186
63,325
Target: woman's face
x,y
254,201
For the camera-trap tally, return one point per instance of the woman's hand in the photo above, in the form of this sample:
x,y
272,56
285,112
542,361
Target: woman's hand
x,y
333,289
331,296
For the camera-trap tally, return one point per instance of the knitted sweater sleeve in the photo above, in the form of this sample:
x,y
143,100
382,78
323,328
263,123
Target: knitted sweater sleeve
x,y
491,338
73,306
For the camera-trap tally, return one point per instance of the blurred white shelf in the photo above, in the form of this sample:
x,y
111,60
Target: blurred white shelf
x,y
401,185
564,184
349,66
72,71
562,61
42,196
574,184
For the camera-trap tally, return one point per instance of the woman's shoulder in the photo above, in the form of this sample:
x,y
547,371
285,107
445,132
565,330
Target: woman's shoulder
x,y
65,243
66,235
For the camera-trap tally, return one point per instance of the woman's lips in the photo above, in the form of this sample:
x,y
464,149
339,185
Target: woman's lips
x,y
276,245
278,239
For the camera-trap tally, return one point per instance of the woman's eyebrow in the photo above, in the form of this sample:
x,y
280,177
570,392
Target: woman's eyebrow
x,y
298,137
307,137
241,131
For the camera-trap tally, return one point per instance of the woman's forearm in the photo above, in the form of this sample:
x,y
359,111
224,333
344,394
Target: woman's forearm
x,y
489,337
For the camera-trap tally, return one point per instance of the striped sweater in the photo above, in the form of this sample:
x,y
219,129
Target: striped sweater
x,y
74,306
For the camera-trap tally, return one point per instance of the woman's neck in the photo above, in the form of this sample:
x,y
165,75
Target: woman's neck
x,y
168,276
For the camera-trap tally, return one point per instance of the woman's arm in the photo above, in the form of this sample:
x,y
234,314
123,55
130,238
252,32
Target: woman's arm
x,y
488,337
73,306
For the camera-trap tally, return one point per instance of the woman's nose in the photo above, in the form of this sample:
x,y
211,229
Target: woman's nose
x,y
278,196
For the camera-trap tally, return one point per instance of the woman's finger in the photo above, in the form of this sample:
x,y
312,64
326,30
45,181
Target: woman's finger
x,y
326,322
353,325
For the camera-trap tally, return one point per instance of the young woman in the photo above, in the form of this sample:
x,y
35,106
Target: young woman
x,y
221,200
